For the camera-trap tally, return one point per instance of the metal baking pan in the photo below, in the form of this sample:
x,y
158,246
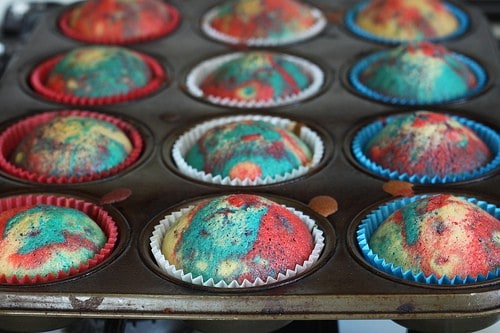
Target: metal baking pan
x,y
342,286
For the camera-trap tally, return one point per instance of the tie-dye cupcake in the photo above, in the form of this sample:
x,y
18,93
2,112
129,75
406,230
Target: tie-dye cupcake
x,y
235,241
427,147
434,239
247,150
119,22
96,75
419,73
401,21
255,79
47,238
263,22
68,147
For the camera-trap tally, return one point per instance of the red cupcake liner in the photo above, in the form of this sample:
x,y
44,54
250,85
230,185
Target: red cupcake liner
x,y
13,135
38,79
164,30
96,213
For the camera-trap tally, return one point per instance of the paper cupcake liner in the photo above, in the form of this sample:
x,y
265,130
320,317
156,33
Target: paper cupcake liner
x,y
200,72
490,137
38,79
13,135
161,229
96,213
317,28
351,15
184,143
354,73
167,28
373,220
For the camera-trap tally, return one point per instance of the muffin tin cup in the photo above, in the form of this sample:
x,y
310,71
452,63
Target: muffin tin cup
x,y
196,76
189,139
163,31
38,78
372,221
350,24
353,82
365,134
96,213
170,270
211,32
14,134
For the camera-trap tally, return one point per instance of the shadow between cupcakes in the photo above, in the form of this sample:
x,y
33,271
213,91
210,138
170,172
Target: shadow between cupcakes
x,y
321,223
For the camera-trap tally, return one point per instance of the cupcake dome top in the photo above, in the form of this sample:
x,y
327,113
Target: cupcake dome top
x,y
440,235
263,22
72,146
248,149
407,20
45,239
99,71
427,144
421,72
237,237
257,76
119,21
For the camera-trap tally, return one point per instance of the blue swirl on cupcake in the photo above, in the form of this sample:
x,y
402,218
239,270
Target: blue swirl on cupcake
x,y
458,130
392,33
429,207
417,74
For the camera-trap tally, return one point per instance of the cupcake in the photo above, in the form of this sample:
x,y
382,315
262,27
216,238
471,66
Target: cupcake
x,y
427,147
90,75
236,240
440,239
46,238
417,74
119,21
254,79
263,22
247,150
67,147
396,21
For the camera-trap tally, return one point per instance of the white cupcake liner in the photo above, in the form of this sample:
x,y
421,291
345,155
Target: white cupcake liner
x,y
374,219
317,28
161,229
189,139
196,76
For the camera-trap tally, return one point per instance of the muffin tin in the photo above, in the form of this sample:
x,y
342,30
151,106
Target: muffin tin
x,y
341,285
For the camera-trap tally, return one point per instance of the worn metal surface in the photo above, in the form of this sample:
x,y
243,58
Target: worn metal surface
x,y
342,286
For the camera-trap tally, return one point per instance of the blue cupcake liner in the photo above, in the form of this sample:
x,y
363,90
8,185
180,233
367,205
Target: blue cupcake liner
x,y
490,137
350,23
354,73
373,220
